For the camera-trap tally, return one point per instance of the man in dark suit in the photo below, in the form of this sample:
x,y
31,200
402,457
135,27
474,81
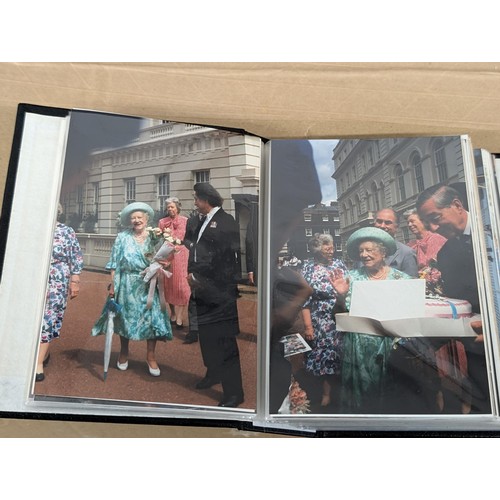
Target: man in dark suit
x,y
213,274
442,209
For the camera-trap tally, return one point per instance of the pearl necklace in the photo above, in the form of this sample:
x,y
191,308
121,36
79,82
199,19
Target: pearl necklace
x,y
140,237
380,275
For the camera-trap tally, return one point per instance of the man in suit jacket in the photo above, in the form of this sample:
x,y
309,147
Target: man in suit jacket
x,y
213,274
404,259
441,208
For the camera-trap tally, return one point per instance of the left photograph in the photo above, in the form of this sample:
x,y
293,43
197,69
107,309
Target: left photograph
x,y
152,287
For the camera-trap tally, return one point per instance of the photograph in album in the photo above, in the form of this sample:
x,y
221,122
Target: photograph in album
x,y
150,290
376,261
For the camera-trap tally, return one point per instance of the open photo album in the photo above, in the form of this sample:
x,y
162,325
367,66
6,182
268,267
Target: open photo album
x,y
153,270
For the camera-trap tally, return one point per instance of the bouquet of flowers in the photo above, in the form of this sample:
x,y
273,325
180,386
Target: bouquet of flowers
x,y
166,248
299,403
432,277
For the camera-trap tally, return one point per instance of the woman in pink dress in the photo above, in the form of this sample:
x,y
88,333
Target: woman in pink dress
x,y
177,290
427,244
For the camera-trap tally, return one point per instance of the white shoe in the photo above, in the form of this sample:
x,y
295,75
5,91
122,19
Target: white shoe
x,y
122,366
155,372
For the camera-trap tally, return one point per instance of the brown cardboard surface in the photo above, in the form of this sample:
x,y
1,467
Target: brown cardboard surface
x,y
273,100
33,429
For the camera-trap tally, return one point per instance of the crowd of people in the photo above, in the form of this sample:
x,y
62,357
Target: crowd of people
x,y
349,372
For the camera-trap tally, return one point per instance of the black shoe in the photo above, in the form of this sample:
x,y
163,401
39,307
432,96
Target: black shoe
x,y
39,377
207,382
179,327
190,339
231,401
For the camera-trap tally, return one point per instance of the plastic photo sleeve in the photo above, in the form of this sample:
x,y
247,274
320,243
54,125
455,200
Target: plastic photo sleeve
x,y
378,260
104,320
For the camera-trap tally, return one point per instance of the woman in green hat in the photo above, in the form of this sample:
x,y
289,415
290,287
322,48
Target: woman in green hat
x,y
138,320
364,366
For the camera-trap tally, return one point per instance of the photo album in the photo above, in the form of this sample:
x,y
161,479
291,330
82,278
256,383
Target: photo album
x,y
190,274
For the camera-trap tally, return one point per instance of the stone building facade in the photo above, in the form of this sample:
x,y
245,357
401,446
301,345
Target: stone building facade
x,y
382,173
167,159
321,219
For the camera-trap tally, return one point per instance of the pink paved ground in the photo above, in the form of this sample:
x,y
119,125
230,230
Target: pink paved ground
x,y
76,364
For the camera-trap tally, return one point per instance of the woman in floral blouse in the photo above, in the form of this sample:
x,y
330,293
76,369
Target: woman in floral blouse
x,y
324,360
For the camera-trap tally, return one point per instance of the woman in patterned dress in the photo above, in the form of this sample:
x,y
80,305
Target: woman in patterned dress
x,y
137,320
64,280
177,290
324,360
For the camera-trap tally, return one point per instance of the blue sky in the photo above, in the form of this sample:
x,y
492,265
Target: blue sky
x,y
323,152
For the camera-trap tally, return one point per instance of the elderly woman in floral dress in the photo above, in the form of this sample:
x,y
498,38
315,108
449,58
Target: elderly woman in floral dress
x,y
324,360
382,374
365,363
138,319
64,281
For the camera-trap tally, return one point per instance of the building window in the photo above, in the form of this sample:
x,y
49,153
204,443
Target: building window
x,y
381,194
400,181
202,176
129,190
163,190
326,231
337,231
351,209
79,200
440,161
309,232
325,218
95,201
338,247
375,198
307,217
419,176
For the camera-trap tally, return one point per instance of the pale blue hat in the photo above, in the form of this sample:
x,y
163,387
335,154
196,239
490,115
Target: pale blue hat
x,y
369,234
137,206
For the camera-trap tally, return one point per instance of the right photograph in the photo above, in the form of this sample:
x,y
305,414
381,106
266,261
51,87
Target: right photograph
x,y
375,259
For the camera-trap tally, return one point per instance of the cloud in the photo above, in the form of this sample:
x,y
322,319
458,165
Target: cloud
x,y
323,152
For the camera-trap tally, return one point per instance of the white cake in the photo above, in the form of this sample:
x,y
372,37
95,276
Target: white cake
x,y
443,307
